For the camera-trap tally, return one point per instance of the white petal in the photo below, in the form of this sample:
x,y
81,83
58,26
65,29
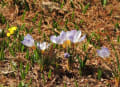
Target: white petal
x,y
53,39
77,37
82,38
43,46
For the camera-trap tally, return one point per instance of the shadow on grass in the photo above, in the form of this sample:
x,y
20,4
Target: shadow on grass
x,y
89,70
93,71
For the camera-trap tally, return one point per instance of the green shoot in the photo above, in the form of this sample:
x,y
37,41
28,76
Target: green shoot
x,y
35,18
86,8
82,63
72,5
2,54
27,54
39,25
104,2
23,15
76,84
49,73
2,19
99,73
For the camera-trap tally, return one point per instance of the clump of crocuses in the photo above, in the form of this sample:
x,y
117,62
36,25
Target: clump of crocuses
x,y
29,42
66,38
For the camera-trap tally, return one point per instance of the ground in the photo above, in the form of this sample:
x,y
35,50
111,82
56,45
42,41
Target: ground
x,y
99,20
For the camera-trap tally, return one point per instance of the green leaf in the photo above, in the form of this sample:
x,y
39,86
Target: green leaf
x,y
86,8
49,73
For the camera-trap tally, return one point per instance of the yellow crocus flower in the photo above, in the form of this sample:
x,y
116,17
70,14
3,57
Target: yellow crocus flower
x,y
12,29
11,32
8,34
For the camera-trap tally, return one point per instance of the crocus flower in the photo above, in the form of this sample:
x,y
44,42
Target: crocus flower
x,y
68,37
58,39
64,38
11,31
28,41
103,52
12,28
43,46
77,37
66,55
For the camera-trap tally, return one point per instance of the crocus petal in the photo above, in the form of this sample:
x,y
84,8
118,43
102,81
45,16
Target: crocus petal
x,y
103,52
53,39
60,40
28,41
70,35
77,36
62,34
82,38
8,34
43,46
66,55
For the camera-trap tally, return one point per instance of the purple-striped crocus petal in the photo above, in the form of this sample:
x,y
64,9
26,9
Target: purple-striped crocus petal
x,y
58,39
82,38
62,34
61,37
66,55
103,52
77,36
70,34
28,41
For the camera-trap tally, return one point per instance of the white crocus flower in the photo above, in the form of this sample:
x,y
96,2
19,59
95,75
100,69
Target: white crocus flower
x,y
43,46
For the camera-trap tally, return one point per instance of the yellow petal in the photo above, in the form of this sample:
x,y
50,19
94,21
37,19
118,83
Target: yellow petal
x,y
8,34
13,28
11,32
